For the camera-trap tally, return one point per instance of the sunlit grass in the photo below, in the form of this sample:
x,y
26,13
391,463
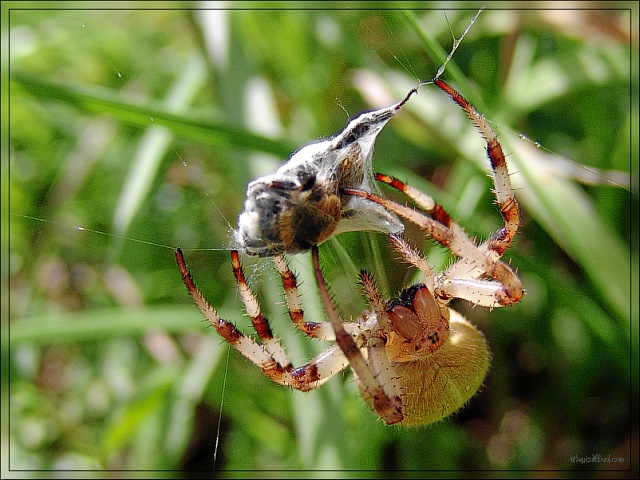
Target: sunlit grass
x,y
113,367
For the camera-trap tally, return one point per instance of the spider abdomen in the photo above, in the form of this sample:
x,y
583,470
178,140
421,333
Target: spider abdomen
x,y
441,383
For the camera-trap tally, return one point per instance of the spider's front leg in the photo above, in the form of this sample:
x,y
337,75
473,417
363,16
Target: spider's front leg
x,y
269,355
385,399
506,288
501,240
462,280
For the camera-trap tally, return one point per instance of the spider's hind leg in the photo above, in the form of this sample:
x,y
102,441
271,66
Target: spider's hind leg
x,y
259,321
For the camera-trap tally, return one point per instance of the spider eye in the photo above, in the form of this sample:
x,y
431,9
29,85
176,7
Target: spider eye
x,y
405,298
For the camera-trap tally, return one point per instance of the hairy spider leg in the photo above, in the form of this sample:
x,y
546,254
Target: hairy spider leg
x,y
388,406
377,341
501,240
304,378
507,288
414,258
319,330
259,321
459,280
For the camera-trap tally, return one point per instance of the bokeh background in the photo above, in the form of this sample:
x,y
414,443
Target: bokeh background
x,y
143,126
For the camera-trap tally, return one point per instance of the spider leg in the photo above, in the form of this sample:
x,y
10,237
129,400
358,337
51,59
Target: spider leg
x,y
304,378
448,285
321,330
424,201
501,240
428,204
259,321
377,341
412,257
387,406
475,261
460,273
455,239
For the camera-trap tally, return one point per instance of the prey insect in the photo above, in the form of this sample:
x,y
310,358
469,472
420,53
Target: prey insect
x,y
415,359
302,204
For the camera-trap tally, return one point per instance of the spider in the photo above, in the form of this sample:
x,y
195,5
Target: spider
x,y
415,359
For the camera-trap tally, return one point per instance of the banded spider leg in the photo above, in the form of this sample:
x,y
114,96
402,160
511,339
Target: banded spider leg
x,y
415,361
463,279
270,356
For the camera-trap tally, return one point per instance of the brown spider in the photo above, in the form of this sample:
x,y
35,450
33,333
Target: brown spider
x,y
415,359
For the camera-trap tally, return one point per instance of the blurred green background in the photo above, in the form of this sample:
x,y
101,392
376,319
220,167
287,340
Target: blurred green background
x,y
144,126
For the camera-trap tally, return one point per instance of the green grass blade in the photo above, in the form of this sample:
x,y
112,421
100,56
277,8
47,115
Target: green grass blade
x,y
153,145
569,216
100,324
143,114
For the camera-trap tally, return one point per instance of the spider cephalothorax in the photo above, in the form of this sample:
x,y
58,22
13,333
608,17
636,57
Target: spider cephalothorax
x,y
415,359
